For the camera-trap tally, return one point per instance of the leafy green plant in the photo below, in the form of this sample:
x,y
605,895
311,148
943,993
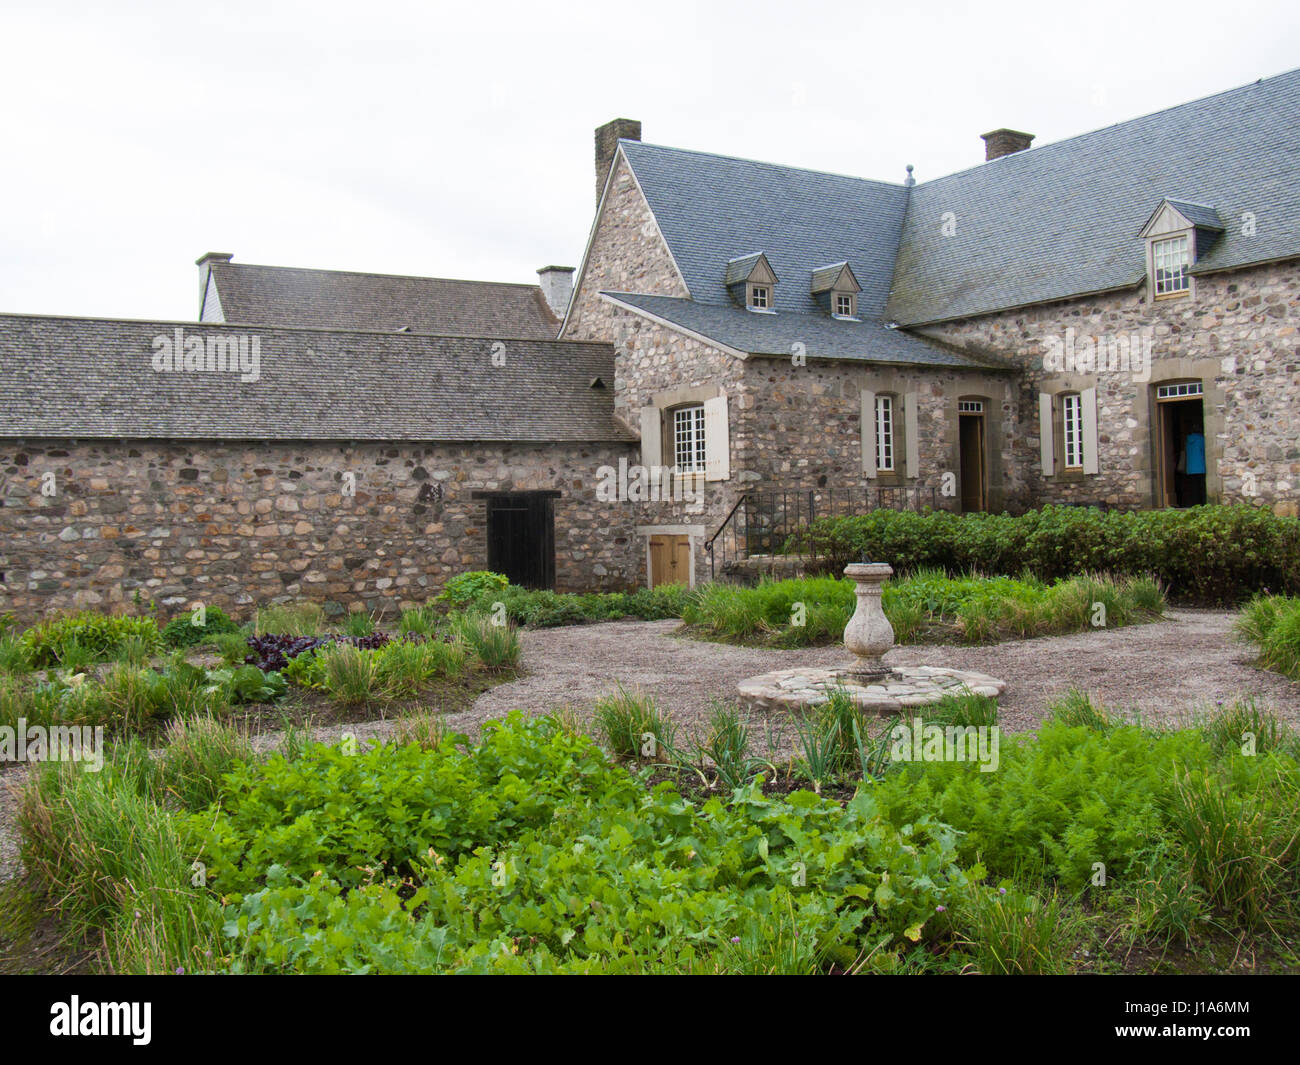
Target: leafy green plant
x,y
248,684
497,868
465,589
1214,553
182,630
232,647
75,640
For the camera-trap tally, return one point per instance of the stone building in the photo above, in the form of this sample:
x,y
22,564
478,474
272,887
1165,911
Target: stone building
x,y
1056,325
243,464
1110,319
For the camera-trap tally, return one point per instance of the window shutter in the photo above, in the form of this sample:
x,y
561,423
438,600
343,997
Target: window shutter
x,y
651,447
717,443
911,438
1045,431
1090,462
868,433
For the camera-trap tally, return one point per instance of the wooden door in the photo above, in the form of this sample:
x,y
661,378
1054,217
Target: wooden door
x,y
670,560
521,538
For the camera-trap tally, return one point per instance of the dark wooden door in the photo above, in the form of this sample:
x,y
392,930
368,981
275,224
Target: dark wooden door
x,y
521,537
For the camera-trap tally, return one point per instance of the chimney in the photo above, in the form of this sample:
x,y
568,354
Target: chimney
x,y
557,287
1005,142
607,138
204,263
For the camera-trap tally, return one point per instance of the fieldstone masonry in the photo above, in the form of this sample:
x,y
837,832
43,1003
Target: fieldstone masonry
x,y
364,526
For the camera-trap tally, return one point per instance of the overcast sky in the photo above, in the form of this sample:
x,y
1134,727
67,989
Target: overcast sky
x,y
455,140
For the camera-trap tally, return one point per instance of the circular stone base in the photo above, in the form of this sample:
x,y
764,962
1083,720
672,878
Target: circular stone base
x,y
905,687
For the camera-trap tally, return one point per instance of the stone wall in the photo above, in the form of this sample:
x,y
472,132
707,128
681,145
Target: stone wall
x,y
1237,333
627,254
237,525
800,427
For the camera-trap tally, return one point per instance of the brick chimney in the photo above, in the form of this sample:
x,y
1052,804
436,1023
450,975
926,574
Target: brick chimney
x,y
1005,142
557,287
607,138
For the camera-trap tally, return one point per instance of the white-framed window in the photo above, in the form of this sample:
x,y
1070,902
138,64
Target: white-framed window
x,y
1072,429
970,406
688,439
760,297
844,304
1182,390
885,433
1170,259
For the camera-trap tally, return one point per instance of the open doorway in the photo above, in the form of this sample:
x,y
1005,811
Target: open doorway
x,y
970,443
1181,441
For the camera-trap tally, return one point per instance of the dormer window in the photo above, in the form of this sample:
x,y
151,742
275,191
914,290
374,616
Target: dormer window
x,y
836,290
1177,235
1171,258
752,282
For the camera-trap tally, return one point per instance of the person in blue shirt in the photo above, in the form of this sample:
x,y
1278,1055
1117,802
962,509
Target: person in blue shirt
x,y
1191,467
1194,450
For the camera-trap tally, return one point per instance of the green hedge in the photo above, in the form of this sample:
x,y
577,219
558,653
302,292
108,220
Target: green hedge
x,y
1210,554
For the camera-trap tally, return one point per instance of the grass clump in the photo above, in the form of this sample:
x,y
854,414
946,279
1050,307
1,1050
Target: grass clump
x,y
633,726
1273,623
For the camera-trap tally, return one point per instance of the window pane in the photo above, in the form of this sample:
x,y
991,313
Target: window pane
x,y
1171,258
688,439
1072,408
884,433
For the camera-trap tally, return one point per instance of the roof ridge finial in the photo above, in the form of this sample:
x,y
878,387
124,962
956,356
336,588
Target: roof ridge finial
x,y
910,180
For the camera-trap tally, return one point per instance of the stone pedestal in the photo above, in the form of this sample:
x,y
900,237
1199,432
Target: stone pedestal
x,y
868,634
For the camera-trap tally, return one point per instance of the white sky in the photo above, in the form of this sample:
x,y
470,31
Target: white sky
x,y
455,140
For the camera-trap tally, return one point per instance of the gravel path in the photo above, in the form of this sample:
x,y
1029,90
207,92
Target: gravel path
x,y
1167,671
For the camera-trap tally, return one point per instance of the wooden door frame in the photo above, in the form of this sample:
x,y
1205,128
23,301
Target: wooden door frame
x,y
695,535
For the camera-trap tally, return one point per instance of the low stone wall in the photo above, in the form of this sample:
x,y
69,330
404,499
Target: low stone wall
x,y
367,526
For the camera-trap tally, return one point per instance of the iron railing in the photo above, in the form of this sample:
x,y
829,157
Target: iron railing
x,y
767,522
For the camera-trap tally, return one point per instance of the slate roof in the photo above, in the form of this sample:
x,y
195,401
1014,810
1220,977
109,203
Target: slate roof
x,y
1199,214
738,270
712,208
336,299
94,378
1061,220
822,337
1052,222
